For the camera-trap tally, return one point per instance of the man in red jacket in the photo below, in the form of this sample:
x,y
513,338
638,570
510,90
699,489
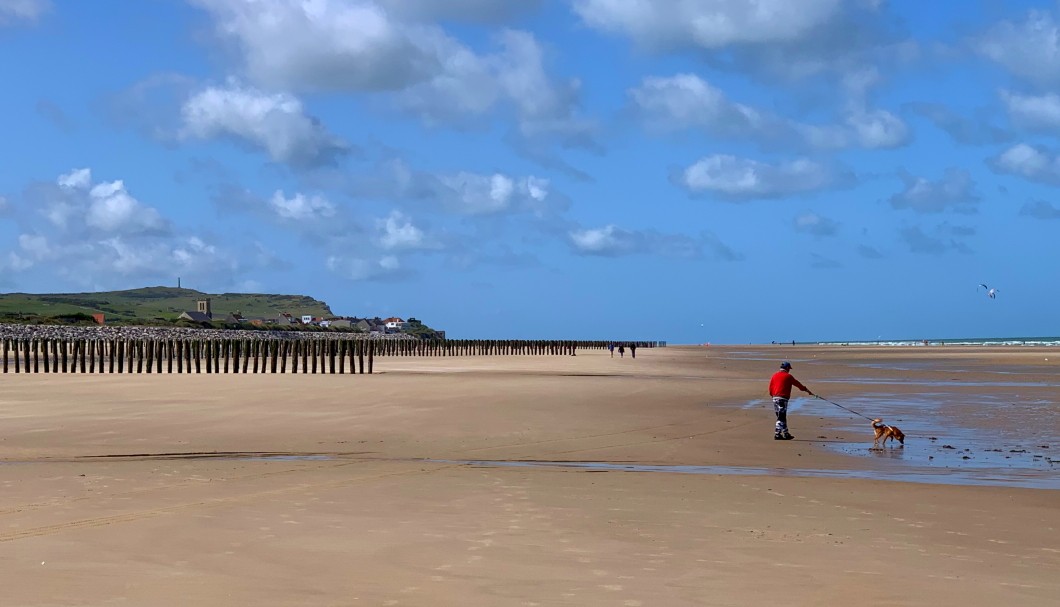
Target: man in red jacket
x,y
780,389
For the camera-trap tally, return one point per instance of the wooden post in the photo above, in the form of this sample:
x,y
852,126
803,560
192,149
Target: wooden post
x,y
285,347
7,343
245,353
18,346
361,344
305,356
196,346
371,355
274,353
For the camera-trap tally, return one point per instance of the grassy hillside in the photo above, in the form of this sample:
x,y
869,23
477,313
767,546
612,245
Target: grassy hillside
x,y
156,303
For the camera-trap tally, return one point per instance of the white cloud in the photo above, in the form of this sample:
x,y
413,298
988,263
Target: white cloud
x,y
544,107
276,123
478,194
686,101
360,268
612,241
712,24
777,40
877,129
116,259
482,11
470,85
77,178
397,232
812,223
103,207
301,207
955,191
22,10
386,46
608,240
112,209
96,234
1029,49
742,178
325,44
1033,111
1029,162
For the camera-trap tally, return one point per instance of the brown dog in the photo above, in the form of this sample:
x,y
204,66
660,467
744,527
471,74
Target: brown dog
x,y
885,432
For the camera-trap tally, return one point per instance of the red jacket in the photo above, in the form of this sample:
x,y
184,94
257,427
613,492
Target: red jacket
x,y
782,381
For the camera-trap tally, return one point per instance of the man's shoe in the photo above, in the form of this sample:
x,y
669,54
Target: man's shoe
x,y
778,437
787,437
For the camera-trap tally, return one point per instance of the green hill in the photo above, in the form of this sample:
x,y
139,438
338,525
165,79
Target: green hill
x,y
153,303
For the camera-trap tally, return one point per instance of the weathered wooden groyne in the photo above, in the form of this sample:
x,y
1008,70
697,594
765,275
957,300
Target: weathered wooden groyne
x,y
146,350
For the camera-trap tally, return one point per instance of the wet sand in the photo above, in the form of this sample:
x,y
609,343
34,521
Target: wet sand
x,y
411,487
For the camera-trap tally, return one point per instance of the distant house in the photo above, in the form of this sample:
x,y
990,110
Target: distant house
x,y
285,319
395,323
340,323
307,319
202,313
195,316
234,319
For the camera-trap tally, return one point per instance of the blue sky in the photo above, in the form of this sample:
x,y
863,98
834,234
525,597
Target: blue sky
x,y
724,171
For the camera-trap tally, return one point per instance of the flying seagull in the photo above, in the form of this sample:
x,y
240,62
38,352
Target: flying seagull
x,y
991,293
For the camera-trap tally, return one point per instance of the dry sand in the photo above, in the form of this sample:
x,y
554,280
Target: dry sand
x,y
105,501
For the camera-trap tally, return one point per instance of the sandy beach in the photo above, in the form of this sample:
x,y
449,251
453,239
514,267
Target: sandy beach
x,y
540,480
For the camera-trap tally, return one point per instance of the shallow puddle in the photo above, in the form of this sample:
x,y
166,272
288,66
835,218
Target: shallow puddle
x,y
993,434
926,475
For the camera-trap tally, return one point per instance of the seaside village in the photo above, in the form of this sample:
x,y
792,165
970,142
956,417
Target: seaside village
x,y
377,326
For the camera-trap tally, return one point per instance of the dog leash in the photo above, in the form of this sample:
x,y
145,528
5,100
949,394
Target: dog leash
x,y
842,407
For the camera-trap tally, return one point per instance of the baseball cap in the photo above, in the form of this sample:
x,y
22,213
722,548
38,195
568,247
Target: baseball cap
x,y
785,365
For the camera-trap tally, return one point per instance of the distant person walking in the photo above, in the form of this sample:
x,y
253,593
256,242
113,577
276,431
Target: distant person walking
x,y
780,390
621,351
633,350
611,349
